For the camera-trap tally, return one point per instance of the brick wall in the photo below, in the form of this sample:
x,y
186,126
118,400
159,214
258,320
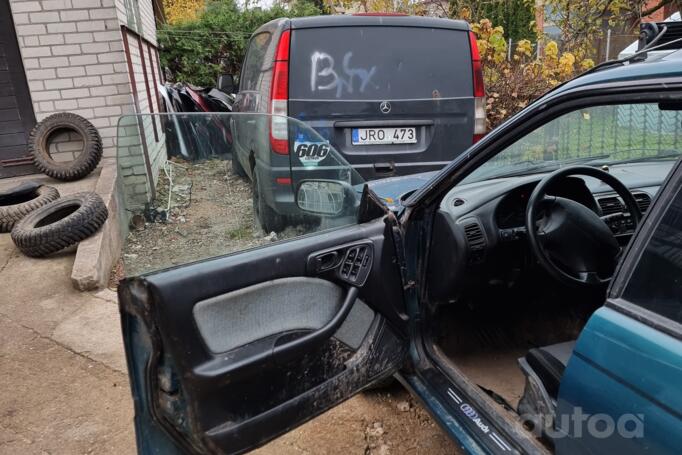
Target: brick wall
x,y
74,60
142,133
74,57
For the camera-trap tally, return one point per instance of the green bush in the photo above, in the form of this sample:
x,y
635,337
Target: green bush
x,y
517,17
198,51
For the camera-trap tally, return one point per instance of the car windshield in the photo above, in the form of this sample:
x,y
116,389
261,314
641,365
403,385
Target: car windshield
x,y
601,135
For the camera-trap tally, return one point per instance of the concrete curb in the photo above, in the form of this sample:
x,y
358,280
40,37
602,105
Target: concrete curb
x,y
96,255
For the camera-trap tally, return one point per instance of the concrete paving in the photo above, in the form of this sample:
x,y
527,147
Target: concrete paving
x,y
62,365
65,188
64,387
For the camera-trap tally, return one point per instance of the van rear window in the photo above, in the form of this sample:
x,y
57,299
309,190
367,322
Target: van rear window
x,y
378,63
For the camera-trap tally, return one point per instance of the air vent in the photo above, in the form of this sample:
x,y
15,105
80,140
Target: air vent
x,y
476,242
643,201
475,237
610,205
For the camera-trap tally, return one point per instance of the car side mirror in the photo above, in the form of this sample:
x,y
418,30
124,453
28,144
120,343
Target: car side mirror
x,y
226,84
326,197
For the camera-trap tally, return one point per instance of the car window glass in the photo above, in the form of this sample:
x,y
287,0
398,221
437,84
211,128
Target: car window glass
x,y
656,283
255,57
185,199
605,135
380,63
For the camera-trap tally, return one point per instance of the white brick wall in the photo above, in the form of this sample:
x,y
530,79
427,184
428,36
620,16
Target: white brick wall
x,y
74,60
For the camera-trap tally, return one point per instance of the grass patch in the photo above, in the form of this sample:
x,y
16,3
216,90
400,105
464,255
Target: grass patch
x,y
239,233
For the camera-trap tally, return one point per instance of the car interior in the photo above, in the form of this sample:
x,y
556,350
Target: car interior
x,y
517,265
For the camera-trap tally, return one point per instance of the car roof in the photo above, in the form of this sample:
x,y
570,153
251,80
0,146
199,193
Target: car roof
x,y
342,20
658,70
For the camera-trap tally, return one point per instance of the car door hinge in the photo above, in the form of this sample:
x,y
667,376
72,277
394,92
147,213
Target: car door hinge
x,y
397,234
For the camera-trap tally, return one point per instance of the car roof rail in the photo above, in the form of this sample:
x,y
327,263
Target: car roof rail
x,y
665,36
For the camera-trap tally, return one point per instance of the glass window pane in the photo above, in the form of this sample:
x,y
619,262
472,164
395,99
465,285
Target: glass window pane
x,y
254,63
656,283
604,135
217,183
377,63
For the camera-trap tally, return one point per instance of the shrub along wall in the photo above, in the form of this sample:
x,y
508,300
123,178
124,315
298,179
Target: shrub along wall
x,y
199,50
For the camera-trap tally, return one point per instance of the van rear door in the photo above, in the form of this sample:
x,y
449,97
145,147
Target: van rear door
x,y
393,99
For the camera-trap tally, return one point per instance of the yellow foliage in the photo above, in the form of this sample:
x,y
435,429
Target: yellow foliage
x,y
512,84
524,48
586,64
182,10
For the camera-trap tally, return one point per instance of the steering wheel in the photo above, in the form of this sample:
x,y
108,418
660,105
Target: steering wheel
x,y
570,241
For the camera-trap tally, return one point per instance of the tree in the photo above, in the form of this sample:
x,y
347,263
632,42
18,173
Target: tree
x,y
198,51
411,7
182,10
511,84
516,17
583,21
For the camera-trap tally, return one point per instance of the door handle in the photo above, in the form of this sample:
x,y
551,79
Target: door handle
x,y
384,168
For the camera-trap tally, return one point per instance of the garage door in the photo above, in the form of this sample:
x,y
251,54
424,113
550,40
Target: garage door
x,y
16,112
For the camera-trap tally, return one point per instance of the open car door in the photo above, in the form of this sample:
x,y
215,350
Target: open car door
x,y
626,368
228,353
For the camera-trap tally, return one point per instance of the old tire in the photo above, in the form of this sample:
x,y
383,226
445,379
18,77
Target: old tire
x,y
85,163
60,224
21,200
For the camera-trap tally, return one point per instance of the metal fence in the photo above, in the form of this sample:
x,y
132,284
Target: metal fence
x,y
606,47
615,132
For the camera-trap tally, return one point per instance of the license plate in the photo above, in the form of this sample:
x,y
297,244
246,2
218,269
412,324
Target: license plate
x,y
377,136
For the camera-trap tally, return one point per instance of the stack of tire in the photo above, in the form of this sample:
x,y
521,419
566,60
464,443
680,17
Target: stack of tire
x,y
40,221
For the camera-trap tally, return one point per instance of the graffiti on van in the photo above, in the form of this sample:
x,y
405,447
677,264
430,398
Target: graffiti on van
x,y
323,75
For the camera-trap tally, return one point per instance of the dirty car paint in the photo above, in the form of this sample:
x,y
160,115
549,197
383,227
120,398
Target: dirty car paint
x,y
394,190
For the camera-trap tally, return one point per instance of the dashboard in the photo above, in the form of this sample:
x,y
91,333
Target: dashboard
x,y
511,210
479,229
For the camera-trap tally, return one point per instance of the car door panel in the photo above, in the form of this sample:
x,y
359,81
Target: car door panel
x,y
278,306
626,373
627,364
247,346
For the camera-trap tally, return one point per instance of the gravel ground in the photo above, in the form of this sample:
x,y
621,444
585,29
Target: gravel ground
x,y
372,423
211,214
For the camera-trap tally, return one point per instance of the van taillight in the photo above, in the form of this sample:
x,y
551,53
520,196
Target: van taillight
x,y
279,125
479,90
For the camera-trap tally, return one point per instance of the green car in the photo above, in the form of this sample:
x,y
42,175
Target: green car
x,y
529,294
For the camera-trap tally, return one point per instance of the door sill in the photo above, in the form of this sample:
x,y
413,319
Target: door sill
x,y
485,420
